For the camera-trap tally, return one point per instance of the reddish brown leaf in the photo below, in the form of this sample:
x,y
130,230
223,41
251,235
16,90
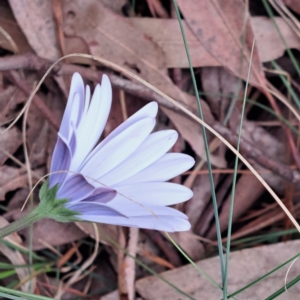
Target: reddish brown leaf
x,y
10,142
11,28
36,21
293,4
219,27
11,179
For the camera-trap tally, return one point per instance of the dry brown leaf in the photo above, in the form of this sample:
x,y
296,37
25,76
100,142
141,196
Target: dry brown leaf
x,y
269,42
166,33
16,202
35,19
38,149
202,194
189,244
37,135
245,266
15,257
12,29
11,179
9,100
220,88
248,190
52,233
10,141
219,27
293,4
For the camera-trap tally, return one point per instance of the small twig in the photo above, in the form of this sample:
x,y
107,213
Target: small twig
x,y
252,152
24,61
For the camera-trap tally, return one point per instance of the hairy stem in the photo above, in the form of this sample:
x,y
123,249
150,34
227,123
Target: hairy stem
x,y
27,220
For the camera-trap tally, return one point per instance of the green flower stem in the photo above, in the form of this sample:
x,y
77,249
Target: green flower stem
x,y
27,220
49,207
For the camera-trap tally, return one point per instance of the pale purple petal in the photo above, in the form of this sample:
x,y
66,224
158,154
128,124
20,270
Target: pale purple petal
x,y
154,217
75,188
87,100
163,223
61,159
74,106
101,195
158,193
86,209
132,209
93,121
165,168
155,146
148,111
104,158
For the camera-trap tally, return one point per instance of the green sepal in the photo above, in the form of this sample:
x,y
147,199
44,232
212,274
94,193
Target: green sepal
x,y
53,208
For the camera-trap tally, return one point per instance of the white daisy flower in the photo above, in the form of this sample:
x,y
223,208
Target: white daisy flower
x,y
122,180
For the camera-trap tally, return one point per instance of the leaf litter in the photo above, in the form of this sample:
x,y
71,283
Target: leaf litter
x,y
144,37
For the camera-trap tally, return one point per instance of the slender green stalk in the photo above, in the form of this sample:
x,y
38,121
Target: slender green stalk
x,y
234,182
265,237
271,111
49,207
7,266
20,249
22,295
207,152
5,274
6,296
287,84
284,289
